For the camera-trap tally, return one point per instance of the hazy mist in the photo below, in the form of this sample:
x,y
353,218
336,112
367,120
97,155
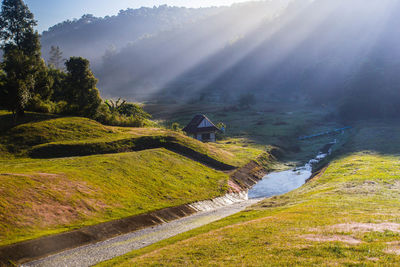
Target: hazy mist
x,y
334,52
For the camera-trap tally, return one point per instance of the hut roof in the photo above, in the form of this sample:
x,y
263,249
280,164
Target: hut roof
x,y
192,127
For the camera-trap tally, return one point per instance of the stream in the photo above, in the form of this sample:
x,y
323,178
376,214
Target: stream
x,y
279,183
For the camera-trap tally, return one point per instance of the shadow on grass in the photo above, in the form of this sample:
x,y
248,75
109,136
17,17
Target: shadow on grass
x,y
7,121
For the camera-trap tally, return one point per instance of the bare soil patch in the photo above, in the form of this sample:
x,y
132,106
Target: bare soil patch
x,y
367,227
332,238
234,187
393,249
46,199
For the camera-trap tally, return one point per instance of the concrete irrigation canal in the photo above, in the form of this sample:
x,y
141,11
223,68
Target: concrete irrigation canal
x,y
273,184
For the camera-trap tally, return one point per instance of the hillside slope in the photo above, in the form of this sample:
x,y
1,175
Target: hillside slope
x,y
41,132
139,69
47,196
348,215
333,52
54,194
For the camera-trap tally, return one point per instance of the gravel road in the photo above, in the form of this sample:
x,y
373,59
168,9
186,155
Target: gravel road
x,y
91,254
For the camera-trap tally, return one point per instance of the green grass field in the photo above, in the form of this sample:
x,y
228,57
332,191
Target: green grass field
x,y
23,138
40,197
348,216
46,196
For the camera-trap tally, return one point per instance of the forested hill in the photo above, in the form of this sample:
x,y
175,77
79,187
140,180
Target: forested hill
x,y
139,50
143,68
333,52
91,36
322,49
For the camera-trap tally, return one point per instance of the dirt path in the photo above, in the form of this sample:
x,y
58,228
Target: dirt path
x,y
91,254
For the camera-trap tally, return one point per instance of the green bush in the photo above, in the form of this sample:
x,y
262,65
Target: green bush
x,y
176,127
37,104
60,107
105,116
117,113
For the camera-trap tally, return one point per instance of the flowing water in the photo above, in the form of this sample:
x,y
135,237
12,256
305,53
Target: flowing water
x,y
278,183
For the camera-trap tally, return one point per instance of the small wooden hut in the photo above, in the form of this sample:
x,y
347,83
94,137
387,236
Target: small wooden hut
x,y
202,129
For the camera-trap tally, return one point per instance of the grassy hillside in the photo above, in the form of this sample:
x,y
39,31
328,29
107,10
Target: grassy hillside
x,y
347,216
30,134
40,131
46,196
43,196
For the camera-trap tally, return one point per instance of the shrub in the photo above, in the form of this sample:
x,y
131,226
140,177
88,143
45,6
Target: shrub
x,y
105,116
60,107
121,113
175,126
37,104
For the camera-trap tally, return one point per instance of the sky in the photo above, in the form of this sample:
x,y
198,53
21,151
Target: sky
x,y
51,12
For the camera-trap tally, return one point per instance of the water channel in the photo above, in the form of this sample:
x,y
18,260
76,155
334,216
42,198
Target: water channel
x,y
279,183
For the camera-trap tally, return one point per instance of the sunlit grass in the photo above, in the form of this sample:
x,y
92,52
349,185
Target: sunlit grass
x,y
20,140
107,187
276,231
360,187
48,196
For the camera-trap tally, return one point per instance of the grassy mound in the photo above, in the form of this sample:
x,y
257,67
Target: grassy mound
x,y
39,197
54,150
30,134
349,215
47,137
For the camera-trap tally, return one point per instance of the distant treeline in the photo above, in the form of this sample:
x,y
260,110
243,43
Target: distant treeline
x,y
139,51
111,33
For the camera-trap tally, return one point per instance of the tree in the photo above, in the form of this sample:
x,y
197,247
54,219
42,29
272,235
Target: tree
x,y
56,58
59,89
43,82
21,46
82,94
19,81
16,22
222,127
3,93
